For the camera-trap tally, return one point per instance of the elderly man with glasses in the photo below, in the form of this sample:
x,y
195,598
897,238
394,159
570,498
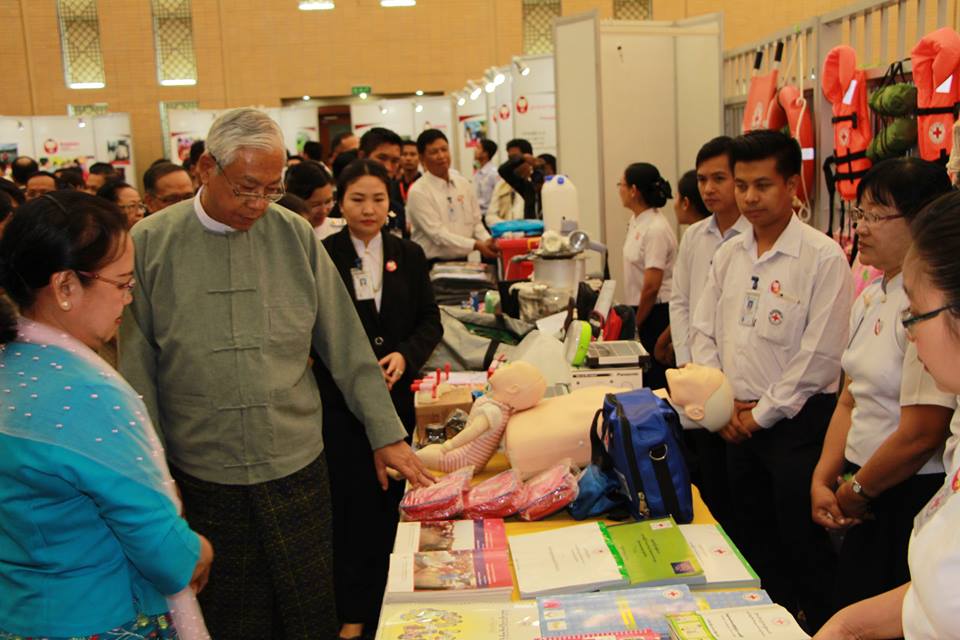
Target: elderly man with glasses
x,y
233,291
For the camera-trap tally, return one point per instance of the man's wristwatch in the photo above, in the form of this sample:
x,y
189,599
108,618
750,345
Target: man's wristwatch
x,y
858,489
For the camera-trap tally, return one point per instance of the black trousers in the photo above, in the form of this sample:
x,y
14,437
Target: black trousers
x,y
364,520
706,457
873,556
272,574
653,326
770,477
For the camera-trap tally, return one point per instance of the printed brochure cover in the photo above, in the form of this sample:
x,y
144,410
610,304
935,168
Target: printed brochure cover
x,y
445,575
506,621
571,559
769,622
450,535
655,552
723,565
640,609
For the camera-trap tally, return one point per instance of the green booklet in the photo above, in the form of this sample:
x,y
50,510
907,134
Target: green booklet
x,y
771,622
654,552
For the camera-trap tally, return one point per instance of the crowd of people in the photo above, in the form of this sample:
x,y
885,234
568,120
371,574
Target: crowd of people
x,y
234,441
842,442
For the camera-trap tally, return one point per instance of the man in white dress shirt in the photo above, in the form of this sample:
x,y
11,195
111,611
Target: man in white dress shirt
x,y
774,316
486,177
700,241
442,207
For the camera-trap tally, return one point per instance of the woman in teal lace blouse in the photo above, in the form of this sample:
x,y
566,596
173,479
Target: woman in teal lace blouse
x,y
91,541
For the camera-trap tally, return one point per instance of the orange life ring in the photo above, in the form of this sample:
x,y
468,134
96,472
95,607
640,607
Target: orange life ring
x,y
800,122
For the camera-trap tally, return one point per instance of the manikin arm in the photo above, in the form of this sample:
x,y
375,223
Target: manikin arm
x,y
476,427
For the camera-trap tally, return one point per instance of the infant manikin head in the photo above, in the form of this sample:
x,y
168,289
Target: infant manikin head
x,y
519,385
701,394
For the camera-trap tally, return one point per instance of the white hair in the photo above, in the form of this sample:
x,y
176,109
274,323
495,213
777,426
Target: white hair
x,y
245,128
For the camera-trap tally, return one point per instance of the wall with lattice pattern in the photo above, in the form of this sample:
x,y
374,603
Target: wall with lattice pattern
x,y
538,17
173,39
632,9
80,42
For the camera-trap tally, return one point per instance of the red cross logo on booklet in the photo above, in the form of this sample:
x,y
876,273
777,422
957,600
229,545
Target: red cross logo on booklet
x,y
776,317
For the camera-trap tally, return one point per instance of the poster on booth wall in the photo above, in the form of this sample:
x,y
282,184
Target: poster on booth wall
x,y
8,152
186,127
435,113
180,142
474,130
114,143
535,118
59,152
298,124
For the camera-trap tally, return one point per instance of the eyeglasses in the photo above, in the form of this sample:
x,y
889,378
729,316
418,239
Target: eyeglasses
x,y
31,194
123,286
910,321
133,206
250,197
860,215
174,198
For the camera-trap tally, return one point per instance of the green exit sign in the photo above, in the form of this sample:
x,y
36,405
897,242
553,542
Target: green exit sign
x,y
361,90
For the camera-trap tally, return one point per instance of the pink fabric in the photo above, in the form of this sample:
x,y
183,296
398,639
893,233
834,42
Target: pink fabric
x,y
478,452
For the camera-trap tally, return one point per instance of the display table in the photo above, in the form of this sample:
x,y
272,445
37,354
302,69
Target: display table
x,y
514,526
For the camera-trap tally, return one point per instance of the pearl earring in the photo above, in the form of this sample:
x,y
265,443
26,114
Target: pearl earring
x,y
65,305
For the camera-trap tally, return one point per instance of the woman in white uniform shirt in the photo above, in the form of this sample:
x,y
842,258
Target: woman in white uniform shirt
x,y
927,608
890,423
649,252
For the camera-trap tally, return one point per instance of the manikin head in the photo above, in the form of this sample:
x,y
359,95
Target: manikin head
x,y
519,385
701,394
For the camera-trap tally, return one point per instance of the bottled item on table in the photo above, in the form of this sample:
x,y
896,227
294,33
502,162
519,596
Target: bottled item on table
x,y
434,434
456,422
548,492
496,497
440,501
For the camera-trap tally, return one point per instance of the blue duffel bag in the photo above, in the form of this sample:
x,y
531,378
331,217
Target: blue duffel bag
x,y
636,437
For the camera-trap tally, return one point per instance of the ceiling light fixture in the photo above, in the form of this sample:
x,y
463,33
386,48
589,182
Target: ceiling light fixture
x,y
398,3
87,85
523,69
316,5
475,89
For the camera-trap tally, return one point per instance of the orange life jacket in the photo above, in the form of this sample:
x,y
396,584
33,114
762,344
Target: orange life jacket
x,y
801,129
936,60
845,87
762,110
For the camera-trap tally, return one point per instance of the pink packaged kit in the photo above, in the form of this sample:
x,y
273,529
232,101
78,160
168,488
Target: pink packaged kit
x,y
440,501
548,492
496,497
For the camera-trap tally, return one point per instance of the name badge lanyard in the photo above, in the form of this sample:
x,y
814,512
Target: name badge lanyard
x,y
751,300
363,286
